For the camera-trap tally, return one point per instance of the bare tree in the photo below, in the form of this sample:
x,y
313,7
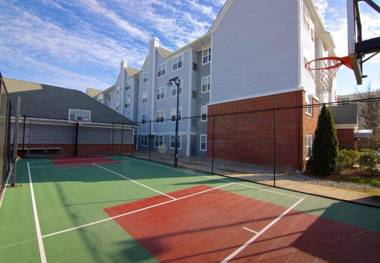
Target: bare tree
x,y
369,111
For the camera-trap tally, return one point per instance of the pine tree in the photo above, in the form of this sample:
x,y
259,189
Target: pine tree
x,y
325,145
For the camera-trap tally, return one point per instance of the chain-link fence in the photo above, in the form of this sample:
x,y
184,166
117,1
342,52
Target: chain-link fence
x,y
60,138
5,154
272,146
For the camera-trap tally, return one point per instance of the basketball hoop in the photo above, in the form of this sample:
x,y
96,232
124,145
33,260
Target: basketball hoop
x,y
323,70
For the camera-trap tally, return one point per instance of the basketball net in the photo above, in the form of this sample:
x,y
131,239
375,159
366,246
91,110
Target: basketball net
x,y
323,70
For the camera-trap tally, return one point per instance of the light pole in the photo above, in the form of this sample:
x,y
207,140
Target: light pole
x,y
177,82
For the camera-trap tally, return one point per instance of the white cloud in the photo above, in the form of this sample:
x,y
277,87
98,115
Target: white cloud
x,y
134,31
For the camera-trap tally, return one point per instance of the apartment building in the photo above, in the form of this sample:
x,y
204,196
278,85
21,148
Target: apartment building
x,y
252,58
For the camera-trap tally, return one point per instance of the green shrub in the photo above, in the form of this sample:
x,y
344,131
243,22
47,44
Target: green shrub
x,y
325,145
347,159
368,159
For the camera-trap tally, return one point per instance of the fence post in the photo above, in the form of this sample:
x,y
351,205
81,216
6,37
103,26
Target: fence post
x,y
274,147
112,135
23,134
122,138
213,144
149,136
15,140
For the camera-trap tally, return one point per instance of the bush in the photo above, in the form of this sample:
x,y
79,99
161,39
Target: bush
x,y
325,145
347,159
368,159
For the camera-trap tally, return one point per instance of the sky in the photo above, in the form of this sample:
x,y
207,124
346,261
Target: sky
x,y
79,44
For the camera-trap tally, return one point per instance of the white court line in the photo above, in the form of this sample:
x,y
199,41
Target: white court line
x,y
262,231
267,190
5,188
250,230
77,165
133,181
133,212
36,220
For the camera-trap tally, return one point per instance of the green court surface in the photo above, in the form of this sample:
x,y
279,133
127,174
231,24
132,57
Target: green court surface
x,y
71,220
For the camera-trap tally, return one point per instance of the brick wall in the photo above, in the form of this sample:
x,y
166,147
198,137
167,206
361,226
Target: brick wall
x,y
310,123
248,137
86,149
346,138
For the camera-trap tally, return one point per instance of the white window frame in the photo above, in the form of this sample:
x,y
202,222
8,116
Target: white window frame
x,y
173,113
161,141
145,77
309,145
204,111
142,140
127,102
174,87
144,97
162,118
161,70
309,106
205,143
144,118
175,62
160,93
179,141
206,81
206,54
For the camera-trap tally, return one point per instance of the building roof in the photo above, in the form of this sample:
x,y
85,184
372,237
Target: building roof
x,y
50,102
345,114
164,52
92,92
132,71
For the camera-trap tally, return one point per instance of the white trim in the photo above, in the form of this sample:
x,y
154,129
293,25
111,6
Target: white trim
x,y
134,181
346,126
208,48
257,95
41,247
174,86
204,107
200,142
209,84
162,64
176,57
155,140
220,16
175,111
158,91
262,231
155,119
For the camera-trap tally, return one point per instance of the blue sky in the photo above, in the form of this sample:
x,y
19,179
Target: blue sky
x,y
79,44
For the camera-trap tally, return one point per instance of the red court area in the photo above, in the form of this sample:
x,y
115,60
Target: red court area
x,y
209,226
83,161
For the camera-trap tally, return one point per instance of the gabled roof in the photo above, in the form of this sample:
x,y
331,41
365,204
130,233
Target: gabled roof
x,y
164,52
132,71
345,114
50,102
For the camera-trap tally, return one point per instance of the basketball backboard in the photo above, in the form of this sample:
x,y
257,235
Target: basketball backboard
x,y
360,50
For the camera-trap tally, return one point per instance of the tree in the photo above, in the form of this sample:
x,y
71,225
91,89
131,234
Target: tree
x,y
369,111
325,145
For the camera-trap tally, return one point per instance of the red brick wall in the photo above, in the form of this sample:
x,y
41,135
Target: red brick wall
x,y
310,124
346,138
248,137
88,149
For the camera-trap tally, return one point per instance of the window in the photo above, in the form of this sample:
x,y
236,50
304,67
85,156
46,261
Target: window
x,y
309,107
206,84
206,56
173,114
128,87
177,62
160,93
127,103
204,113
195,66
145,77
144,118
174,89
144,140
144,97
172,142
203,142
309,145
159,141
161,70
160,116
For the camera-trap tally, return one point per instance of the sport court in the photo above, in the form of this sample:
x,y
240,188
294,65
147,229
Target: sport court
x,y
122,209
